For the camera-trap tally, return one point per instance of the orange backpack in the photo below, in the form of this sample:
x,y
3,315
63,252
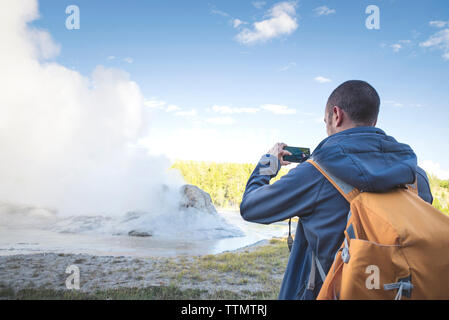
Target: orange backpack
x,y
396,246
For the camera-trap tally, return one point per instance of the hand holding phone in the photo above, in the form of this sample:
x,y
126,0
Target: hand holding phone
x,y
298,155
278,151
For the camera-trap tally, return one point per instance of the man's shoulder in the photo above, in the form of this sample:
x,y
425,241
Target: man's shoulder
x,y
422,173
423,185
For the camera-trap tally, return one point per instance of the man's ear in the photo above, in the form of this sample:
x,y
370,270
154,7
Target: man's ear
x,y
339,115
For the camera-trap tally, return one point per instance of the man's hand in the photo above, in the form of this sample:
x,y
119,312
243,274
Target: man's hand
x,y
279,152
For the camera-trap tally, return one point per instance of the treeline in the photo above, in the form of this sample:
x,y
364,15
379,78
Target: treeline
x,y
440,192
225,182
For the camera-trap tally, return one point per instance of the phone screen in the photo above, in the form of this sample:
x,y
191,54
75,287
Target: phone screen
x,y
299,155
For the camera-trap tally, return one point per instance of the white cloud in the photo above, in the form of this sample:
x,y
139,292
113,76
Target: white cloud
x,y
321,79
172,108
189,113
219,12
288,66
222,144
237,22
233,110
400,105
278,109
259,4
324,11
439,40
396,47
394,103
309,114
43,45
127,59
400,45
319,120
221,120
281,20
439,24
434,168
161,105
155,104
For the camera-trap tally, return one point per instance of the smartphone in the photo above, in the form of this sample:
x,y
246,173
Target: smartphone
x,y
299,155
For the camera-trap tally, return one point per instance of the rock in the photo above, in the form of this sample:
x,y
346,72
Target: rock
x,y
135,233
194,197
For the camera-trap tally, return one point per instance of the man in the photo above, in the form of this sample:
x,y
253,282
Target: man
x,y
355,152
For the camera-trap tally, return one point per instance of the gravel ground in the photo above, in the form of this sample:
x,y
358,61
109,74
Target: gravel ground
x,y
48,271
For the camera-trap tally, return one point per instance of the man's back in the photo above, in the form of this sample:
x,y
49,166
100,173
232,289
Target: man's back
x,y
364,157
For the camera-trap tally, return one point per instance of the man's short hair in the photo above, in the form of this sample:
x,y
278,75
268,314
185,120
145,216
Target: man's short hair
x,y
358,99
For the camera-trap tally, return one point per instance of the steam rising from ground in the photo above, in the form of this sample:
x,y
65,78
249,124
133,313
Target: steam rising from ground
x,y
68,142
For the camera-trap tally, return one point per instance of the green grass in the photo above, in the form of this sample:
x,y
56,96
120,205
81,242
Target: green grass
x,y
260,263
440,192
150,293
263,266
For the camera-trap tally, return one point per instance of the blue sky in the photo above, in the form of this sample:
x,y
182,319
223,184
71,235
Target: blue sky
x,y
220,89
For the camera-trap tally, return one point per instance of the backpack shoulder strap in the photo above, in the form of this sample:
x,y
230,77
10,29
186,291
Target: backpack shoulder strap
x,y
349,193
413,187
346,190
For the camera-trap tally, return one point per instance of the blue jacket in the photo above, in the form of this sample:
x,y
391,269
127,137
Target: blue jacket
x,y
364,157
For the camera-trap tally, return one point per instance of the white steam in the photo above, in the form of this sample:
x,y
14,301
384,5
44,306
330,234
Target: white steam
x,y
69,155
68,142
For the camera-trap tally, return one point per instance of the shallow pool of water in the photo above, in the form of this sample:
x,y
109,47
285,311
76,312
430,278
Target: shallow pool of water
x,y
28,240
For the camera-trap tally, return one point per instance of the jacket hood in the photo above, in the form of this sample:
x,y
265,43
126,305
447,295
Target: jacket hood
x,y
368,159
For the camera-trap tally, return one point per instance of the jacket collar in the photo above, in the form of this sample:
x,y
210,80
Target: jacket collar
x,y
354,130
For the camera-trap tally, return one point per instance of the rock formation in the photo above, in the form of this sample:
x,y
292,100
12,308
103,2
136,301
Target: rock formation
x,y
135,233
192,196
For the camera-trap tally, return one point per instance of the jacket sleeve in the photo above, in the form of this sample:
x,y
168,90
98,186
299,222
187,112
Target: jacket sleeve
x,y
423,185
295,194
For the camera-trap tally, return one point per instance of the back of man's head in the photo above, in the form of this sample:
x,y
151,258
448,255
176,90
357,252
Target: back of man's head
x,y
358,99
